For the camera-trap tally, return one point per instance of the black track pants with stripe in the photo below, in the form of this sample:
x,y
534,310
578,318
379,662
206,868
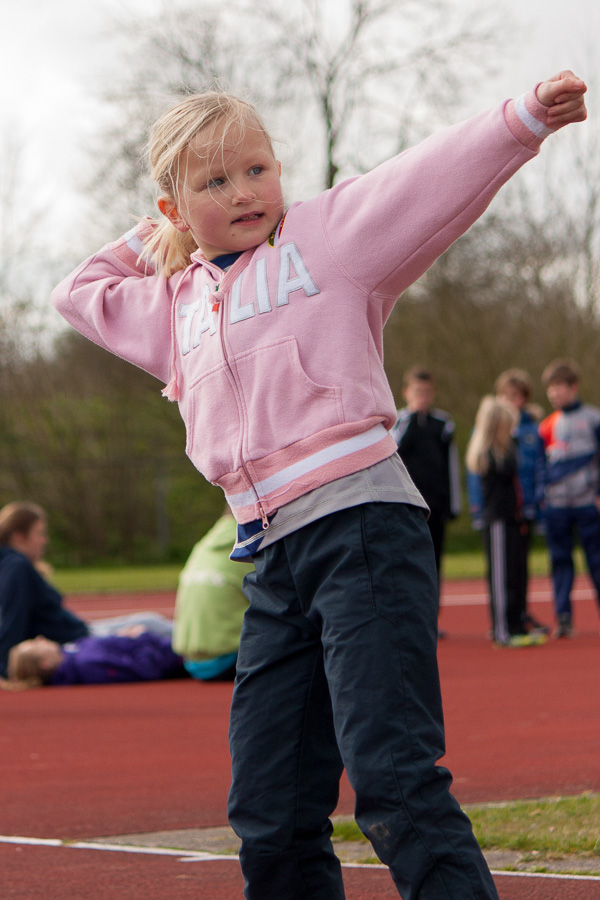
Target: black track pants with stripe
x,y
503,546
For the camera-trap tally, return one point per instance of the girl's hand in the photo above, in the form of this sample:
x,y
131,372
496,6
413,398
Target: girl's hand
x,y
563,95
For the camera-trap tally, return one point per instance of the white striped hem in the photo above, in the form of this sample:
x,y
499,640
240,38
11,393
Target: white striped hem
x,y
307,465
534,125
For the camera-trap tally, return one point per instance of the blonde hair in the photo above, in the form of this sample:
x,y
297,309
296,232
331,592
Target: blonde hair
x,y
170,249
494,424
24,670
18,518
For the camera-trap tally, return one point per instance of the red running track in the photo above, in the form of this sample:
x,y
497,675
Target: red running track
x,y
83,762
42,873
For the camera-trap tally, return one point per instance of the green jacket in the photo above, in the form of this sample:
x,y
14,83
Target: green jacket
x,y
210,604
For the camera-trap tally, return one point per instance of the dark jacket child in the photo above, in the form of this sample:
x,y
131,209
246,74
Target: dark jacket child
x,y
425,438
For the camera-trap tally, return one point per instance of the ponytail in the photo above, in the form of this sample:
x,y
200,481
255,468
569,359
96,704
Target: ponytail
x,y
169,250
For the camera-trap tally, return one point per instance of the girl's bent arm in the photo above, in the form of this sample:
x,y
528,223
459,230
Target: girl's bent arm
x,y
116,301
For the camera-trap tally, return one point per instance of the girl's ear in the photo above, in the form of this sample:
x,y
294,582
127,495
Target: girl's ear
x,y
169,209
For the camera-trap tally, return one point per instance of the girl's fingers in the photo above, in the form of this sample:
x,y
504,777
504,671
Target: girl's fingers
x,y
564,118
566,97
565,107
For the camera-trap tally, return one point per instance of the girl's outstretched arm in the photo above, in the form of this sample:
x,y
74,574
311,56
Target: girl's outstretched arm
x,y
393,222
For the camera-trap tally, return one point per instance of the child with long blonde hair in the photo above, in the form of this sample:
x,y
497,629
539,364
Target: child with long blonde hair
x,y
492,438
492,455
265,324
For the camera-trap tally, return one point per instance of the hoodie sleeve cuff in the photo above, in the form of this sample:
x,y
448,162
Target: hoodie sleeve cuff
x,y
526,118
130,249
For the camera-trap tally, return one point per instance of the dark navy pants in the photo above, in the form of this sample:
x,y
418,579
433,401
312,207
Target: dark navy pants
x,y
338,650
561,526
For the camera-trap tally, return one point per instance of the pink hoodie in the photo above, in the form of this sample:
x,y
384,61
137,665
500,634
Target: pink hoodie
x,y
278,364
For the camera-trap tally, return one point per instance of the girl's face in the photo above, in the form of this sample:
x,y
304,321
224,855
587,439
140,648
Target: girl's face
x,y
229,191
33,543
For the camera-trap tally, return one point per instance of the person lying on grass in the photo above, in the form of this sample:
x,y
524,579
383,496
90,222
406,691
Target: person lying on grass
x,y
135,656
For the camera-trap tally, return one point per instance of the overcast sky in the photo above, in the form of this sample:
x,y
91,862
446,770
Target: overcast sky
x,y
52,56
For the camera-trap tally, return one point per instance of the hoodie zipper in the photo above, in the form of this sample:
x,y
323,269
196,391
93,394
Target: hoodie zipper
x,y
218,296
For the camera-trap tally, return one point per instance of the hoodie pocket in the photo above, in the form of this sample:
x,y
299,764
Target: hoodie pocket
x,y
282,403
213,426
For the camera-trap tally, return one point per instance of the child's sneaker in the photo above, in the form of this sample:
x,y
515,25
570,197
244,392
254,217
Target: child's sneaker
x,y
564,629
527,640
532,626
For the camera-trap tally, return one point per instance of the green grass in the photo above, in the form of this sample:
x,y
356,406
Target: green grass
x,y
458,564
471,563
547,828
120,578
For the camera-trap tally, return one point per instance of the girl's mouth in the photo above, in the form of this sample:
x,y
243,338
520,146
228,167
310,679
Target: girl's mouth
x,y
250,217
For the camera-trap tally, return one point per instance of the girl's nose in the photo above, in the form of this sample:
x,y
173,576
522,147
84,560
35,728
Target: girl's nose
x,y
241,192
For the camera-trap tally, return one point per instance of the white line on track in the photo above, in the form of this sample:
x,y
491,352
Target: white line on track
x,y
482,599
448,599
496,872
595,878
199,856
184,855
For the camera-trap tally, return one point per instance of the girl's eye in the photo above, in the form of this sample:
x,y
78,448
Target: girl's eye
x,y
215,182
256,170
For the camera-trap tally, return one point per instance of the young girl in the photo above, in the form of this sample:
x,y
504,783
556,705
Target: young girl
x,y
492,455
266,327
514,387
